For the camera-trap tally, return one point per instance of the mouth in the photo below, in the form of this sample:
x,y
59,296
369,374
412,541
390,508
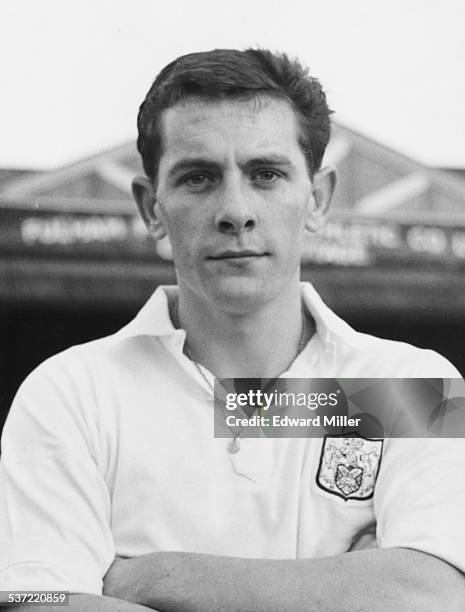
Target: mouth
x,y
244,254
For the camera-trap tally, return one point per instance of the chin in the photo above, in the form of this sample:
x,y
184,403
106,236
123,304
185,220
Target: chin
x,y
239,294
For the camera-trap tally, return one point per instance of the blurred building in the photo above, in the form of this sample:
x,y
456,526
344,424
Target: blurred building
x,y
76,261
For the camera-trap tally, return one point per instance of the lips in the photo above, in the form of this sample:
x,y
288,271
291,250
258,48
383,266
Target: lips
x,y
242,254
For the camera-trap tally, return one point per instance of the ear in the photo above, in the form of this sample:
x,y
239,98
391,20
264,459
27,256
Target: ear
x,y
149,208
323,185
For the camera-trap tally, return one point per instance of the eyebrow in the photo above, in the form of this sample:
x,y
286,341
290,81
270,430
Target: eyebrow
x,y
188,164
202,163
270,160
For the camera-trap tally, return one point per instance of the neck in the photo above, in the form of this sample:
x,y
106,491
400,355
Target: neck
x,y
261,343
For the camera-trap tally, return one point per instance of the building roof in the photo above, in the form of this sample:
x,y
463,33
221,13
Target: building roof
x,y
374,180
402,223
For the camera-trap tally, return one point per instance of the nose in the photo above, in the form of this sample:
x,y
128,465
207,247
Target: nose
x,y
235,214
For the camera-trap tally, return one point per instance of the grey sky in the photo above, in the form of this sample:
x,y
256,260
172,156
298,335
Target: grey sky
x,y
75,71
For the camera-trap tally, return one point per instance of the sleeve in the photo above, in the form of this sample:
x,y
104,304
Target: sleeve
x,y
419,499
54,503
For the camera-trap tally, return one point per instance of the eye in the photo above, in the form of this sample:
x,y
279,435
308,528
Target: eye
x,y
197,179
266,176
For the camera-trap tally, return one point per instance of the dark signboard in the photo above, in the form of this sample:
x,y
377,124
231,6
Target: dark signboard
x,y
344,241
363,242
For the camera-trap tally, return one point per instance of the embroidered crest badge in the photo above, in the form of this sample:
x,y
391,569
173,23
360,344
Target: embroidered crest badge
x,y
349,466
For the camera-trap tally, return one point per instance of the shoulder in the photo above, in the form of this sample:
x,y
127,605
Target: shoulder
x,y
91,360
77,375
391,358
71,394
357,354
60,388
403,358
74,363
140,335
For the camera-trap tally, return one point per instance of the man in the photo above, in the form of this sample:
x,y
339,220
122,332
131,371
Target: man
x,y
111,476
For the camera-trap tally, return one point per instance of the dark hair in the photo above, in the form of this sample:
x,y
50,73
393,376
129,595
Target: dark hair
x,y
229,73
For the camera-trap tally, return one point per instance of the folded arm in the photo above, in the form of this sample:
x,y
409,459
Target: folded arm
x,y
381,580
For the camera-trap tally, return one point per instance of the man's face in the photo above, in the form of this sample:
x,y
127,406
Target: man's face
x,y
233,195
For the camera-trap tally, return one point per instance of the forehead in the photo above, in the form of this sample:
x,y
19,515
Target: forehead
x,y
199,127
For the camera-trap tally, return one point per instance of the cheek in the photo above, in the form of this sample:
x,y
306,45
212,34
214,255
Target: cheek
x,y
185,237
294,204
177,226
292,219
290,230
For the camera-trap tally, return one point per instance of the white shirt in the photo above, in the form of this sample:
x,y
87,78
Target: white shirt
x,y
109,450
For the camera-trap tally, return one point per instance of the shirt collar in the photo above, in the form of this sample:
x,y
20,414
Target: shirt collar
x,y
154,318
328,324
